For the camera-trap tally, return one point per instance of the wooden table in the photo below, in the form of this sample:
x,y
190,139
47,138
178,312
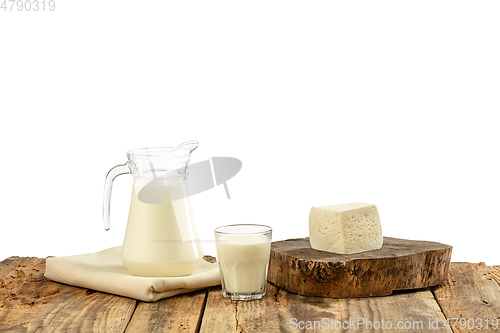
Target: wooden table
x,y
31,303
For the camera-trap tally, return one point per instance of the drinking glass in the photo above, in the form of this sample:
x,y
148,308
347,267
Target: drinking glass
x,y
243,256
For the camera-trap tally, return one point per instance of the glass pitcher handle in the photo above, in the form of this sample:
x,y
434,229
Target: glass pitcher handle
x,y
120,169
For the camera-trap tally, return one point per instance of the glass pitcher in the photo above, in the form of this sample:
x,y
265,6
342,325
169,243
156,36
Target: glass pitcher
x,y
161,237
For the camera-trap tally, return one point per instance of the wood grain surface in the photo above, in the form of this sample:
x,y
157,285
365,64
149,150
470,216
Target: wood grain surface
x,y
400,264
281,311
176,314
470,297
495,273
31,303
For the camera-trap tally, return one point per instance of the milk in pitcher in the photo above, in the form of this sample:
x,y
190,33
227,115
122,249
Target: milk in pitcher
x,y
158,240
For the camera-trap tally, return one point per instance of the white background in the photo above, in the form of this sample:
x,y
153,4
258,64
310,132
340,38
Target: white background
x,y
387,102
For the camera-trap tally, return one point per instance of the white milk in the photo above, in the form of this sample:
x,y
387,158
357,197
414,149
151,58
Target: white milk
x,y
243,260
161,239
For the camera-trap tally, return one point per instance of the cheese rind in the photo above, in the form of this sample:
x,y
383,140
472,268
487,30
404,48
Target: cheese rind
x,y
345,229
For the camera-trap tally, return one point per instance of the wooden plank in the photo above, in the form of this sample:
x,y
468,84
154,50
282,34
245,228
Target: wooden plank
x,y
472,295
219,315
281,311
181,313
399,264
31,303
409,311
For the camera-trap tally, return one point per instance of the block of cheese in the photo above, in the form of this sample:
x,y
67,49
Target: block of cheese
x,y
345,229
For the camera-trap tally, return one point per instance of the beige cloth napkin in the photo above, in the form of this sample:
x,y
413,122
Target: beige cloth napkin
x,y
105,271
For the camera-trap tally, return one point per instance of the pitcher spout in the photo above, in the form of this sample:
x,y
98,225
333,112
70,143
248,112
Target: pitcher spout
x,y
185,148
160,162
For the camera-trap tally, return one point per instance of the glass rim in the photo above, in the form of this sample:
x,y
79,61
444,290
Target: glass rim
x,y
265,230
183,150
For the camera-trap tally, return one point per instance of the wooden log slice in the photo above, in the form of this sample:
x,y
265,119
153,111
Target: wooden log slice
x,y
400,264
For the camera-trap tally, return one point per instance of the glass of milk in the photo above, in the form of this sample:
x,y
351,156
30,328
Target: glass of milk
x,y
243,256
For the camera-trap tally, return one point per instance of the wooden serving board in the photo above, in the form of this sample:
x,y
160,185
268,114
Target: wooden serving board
x,y
400,264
